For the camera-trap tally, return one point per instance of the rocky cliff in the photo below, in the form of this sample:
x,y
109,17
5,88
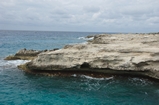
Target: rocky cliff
x,y
132,54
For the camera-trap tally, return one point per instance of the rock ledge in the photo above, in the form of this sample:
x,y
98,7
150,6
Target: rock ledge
x,y
129,54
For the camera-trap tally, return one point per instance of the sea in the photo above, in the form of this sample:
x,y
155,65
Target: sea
x,y
20,88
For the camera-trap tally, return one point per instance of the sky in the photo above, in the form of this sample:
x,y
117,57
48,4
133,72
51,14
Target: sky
x,y
80,15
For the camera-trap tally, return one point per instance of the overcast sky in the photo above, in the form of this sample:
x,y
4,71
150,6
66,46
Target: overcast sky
x,y
80,15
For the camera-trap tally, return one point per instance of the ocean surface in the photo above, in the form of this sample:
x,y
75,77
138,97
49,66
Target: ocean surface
x,y
20,88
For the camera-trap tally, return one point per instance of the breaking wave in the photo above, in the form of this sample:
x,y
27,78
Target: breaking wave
x,y
4,64
84,38
94,78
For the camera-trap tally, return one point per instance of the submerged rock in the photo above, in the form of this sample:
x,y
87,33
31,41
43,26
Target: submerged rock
x,y
129,54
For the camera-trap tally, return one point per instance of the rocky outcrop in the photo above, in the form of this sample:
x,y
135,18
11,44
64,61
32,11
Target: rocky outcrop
x,y
24,54
129,54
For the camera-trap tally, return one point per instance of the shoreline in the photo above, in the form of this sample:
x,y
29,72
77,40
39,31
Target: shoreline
x,y
119,54
93,74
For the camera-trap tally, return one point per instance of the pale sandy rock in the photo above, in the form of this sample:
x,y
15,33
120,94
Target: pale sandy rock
x,y
107,53
25,54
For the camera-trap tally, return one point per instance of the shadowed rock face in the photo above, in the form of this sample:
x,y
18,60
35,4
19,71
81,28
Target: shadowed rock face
x,y
115,53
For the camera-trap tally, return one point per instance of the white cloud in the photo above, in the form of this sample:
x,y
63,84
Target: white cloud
x,y
80,15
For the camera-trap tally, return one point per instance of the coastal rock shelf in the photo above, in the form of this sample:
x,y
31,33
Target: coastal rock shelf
x,y
129,54
25,54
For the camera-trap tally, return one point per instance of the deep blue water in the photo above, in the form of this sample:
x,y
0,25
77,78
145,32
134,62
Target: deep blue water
x,y
20,88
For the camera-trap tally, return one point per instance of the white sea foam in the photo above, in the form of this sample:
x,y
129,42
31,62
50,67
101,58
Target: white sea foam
x,y
140,81
93,78
4,64
84,38
74,75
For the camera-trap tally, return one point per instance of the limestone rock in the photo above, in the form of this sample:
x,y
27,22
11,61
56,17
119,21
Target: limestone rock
x,y
136,54
24,54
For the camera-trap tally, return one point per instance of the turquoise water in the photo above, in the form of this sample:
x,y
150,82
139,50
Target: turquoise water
x,y
20,88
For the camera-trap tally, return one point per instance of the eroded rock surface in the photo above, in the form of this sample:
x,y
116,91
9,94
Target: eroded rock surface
x,y
24,54
136,54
